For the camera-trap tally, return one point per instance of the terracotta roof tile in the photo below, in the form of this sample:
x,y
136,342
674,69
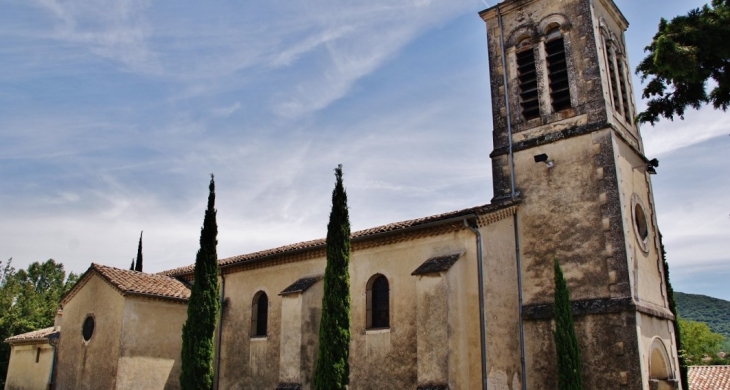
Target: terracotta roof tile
x,y
133,283
709,377
140,283
39,334
188,269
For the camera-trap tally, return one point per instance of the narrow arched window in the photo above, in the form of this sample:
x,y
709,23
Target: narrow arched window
x,y
378,302
259,314
38,355
624,90
527,77
557,70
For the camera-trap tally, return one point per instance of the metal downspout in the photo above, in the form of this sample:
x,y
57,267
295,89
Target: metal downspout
x,y
53,342
513,196
482,321
220,334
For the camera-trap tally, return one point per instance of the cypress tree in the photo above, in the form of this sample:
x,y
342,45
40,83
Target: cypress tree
x,y
131,267
203,307
138,265
673,309
566,344
332,370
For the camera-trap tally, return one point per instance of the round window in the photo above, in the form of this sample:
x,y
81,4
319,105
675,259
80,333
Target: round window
x,y
640,220
87,330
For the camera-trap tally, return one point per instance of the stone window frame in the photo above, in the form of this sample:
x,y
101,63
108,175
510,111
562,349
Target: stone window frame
x,y
554,32
637,204
259,328
620,91
660,364
535,35
369,309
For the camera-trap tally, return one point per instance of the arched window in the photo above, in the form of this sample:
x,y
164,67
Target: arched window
x,y
259,314
38,355
527,77
624,90
557,67
378,302
659,368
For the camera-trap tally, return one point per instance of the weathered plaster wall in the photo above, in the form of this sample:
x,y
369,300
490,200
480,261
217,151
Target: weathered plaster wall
x,y
253,363
93,364
301,313
566,214
311,314
501,304
396,349
432,303
383,358
24,373
150,344
290,360
649,329
644,256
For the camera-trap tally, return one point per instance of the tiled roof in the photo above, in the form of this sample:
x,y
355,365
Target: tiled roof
x,y
40,334
301,285
709,377
362,234
437,264
135,283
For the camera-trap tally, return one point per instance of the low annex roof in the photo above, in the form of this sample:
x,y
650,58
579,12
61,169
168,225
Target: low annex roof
x,y
358,235
36,335
709,377
129,282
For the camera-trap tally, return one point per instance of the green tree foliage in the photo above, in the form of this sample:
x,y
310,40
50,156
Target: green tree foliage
x,y
131,267
712,311
673,308
684,54
203,307
28,301
332,370
138,264
566,344
699,342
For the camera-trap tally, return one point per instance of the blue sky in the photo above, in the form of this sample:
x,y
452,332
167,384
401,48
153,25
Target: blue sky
x,y
113,113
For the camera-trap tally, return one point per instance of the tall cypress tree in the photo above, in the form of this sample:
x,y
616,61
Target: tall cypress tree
x,y
138,264
131,267
203,307
566,344
333,370
673,309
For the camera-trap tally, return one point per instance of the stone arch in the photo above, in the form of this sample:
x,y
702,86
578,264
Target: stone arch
x,y
551,21
520,34
659,366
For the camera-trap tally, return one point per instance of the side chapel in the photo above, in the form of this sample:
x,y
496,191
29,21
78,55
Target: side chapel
x,y
459,300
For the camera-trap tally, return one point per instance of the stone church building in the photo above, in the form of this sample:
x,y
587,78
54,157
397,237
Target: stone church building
x,y
461,300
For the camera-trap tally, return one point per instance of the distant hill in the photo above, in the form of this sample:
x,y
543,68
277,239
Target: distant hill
x,y
701,308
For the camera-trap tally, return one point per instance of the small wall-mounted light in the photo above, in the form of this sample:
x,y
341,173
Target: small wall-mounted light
x,y
649,167
543,158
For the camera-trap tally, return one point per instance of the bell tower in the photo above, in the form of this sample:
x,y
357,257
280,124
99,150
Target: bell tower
x,y
566,147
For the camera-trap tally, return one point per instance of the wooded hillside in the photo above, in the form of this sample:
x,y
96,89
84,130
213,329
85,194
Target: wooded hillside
x,y
714,312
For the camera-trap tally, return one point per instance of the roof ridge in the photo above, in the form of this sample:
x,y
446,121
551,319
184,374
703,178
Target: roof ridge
x,y
363,233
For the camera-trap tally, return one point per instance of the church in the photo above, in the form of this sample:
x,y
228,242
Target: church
x,y
461,300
